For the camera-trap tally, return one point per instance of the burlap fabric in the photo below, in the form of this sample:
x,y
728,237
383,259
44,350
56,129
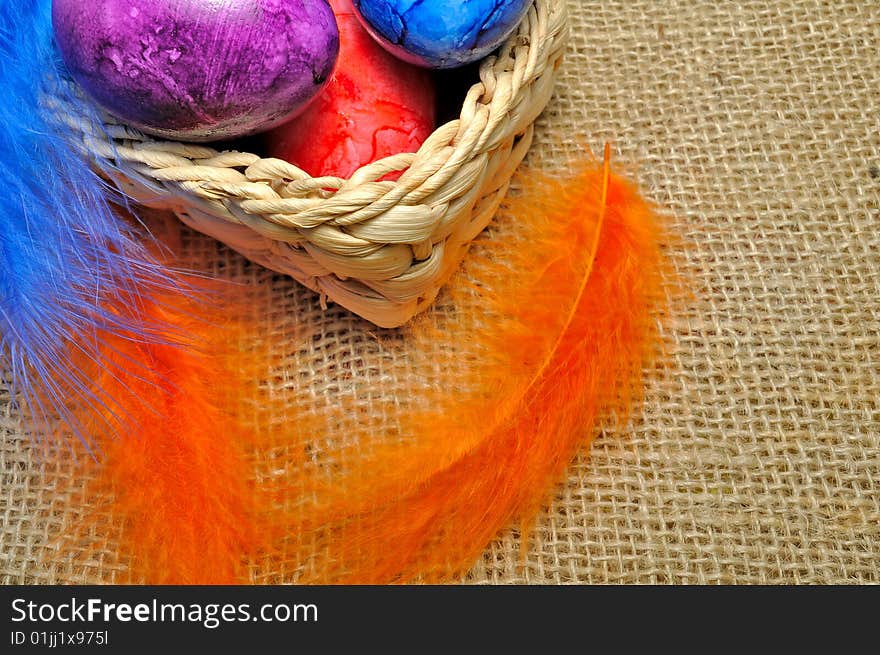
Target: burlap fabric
x,y
756,457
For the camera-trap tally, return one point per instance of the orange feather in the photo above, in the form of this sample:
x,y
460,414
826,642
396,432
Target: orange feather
x,y
569,319
174,472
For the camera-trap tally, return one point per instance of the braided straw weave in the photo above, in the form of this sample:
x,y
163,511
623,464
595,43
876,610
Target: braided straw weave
x,y
381,249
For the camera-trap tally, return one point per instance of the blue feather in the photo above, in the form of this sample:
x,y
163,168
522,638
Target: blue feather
x,y
71,270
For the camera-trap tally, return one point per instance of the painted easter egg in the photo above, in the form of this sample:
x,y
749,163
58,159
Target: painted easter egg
x,y
198,70
441,33
374,106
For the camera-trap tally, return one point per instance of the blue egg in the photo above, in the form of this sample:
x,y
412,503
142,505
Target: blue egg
x,y
441,33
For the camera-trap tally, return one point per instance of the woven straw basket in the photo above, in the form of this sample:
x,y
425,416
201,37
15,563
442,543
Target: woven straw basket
x,y
381,249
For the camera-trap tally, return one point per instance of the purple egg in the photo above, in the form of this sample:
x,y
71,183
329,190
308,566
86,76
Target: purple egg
x,y
198,70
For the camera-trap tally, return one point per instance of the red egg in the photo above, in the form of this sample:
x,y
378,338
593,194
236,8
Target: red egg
x,y
374,106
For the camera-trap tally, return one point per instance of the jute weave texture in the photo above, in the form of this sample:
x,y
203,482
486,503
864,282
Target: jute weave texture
x,y
756,456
